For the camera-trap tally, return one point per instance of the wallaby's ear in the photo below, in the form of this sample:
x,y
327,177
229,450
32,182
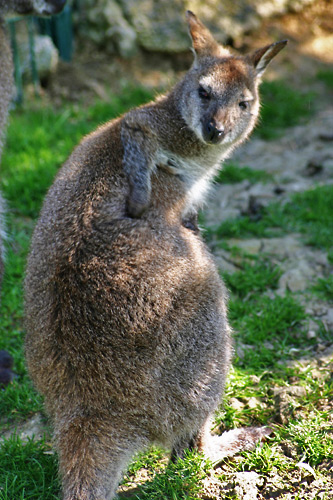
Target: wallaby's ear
x,y
203,41
261,57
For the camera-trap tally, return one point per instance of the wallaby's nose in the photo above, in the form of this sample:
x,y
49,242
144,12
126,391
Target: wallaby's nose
x,y
212,133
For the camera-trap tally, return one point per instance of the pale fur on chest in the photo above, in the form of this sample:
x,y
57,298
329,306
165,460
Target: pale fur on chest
x,y
196,173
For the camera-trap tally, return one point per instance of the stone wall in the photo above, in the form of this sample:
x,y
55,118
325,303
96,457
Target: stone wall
x,y
123,26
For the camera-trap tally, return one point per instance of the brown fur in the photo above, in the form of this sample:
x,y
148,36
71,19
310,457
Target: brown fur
x,y
127,333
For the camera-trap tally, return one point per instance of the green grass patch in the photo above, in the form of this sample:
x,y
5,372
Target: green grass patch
x,y
150,460
326,76
254,277
181,480
309,212
324,287
27,470
312,437
282,107
19,399
269,328
231,174
264,459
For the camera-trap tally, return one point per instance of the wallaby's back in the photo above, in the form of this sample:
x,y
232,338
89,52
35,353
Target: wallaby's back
x,y
122,299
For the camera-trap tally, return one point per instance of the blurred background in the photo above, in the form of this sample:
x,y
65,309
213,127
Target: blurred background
x,y
97,46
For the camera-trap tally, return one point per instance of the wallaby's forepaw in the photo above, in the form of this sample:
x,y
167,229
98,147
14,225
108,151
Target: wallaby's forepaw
x,y
138,202
244,439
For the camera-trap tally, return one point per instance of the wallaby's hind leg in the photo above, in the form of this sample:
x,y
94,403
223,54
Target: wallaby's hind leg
x,y
216,448
92,457
187,442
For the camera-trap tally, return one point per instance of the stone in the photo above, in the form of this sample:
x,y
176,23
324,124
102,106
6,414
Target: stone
x,y
32,428
46,54
254,379
253,403
282,247
160,27
328,318
246,485
296,279
251,246
236,404
105,23
286,401
223,264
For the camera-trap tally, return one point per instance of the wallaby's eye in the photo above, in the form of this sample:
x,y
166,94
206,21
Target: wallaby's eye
x,y
244,105
203,94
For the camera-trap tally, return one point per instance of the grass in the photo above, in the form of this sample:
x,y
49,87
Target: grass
x,y
254,277
324,287
326,76
181,480
28,470
231,174
309,212
269,329
282,107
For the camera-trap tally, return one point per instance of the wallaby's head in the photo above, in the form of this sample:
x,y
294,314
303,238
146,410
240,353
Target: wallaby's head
x,y
38,7
219,100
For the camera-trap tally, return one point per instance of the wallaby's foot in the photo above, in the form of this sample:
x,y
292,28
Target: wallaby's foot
x,y
193,442
217,448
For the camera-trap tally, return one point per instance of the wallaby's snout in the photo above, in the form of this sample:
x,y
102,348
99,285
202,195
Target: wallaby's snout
x,y
212,131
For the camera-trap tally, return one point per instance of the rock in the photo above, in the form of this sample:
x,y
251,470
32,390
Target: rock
x,y
285,401
293,390
325,356
296,279
251,246
123,35
254,379
253,403
159,26
104,22
314,166
242,348
32,428
295,149
328,318
246,485
224,265
313,328
283,247
236,404
46,53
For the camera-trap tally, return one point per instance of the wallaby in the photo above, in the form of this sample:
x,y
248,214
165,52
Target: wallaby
x,y
126,316
38,7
